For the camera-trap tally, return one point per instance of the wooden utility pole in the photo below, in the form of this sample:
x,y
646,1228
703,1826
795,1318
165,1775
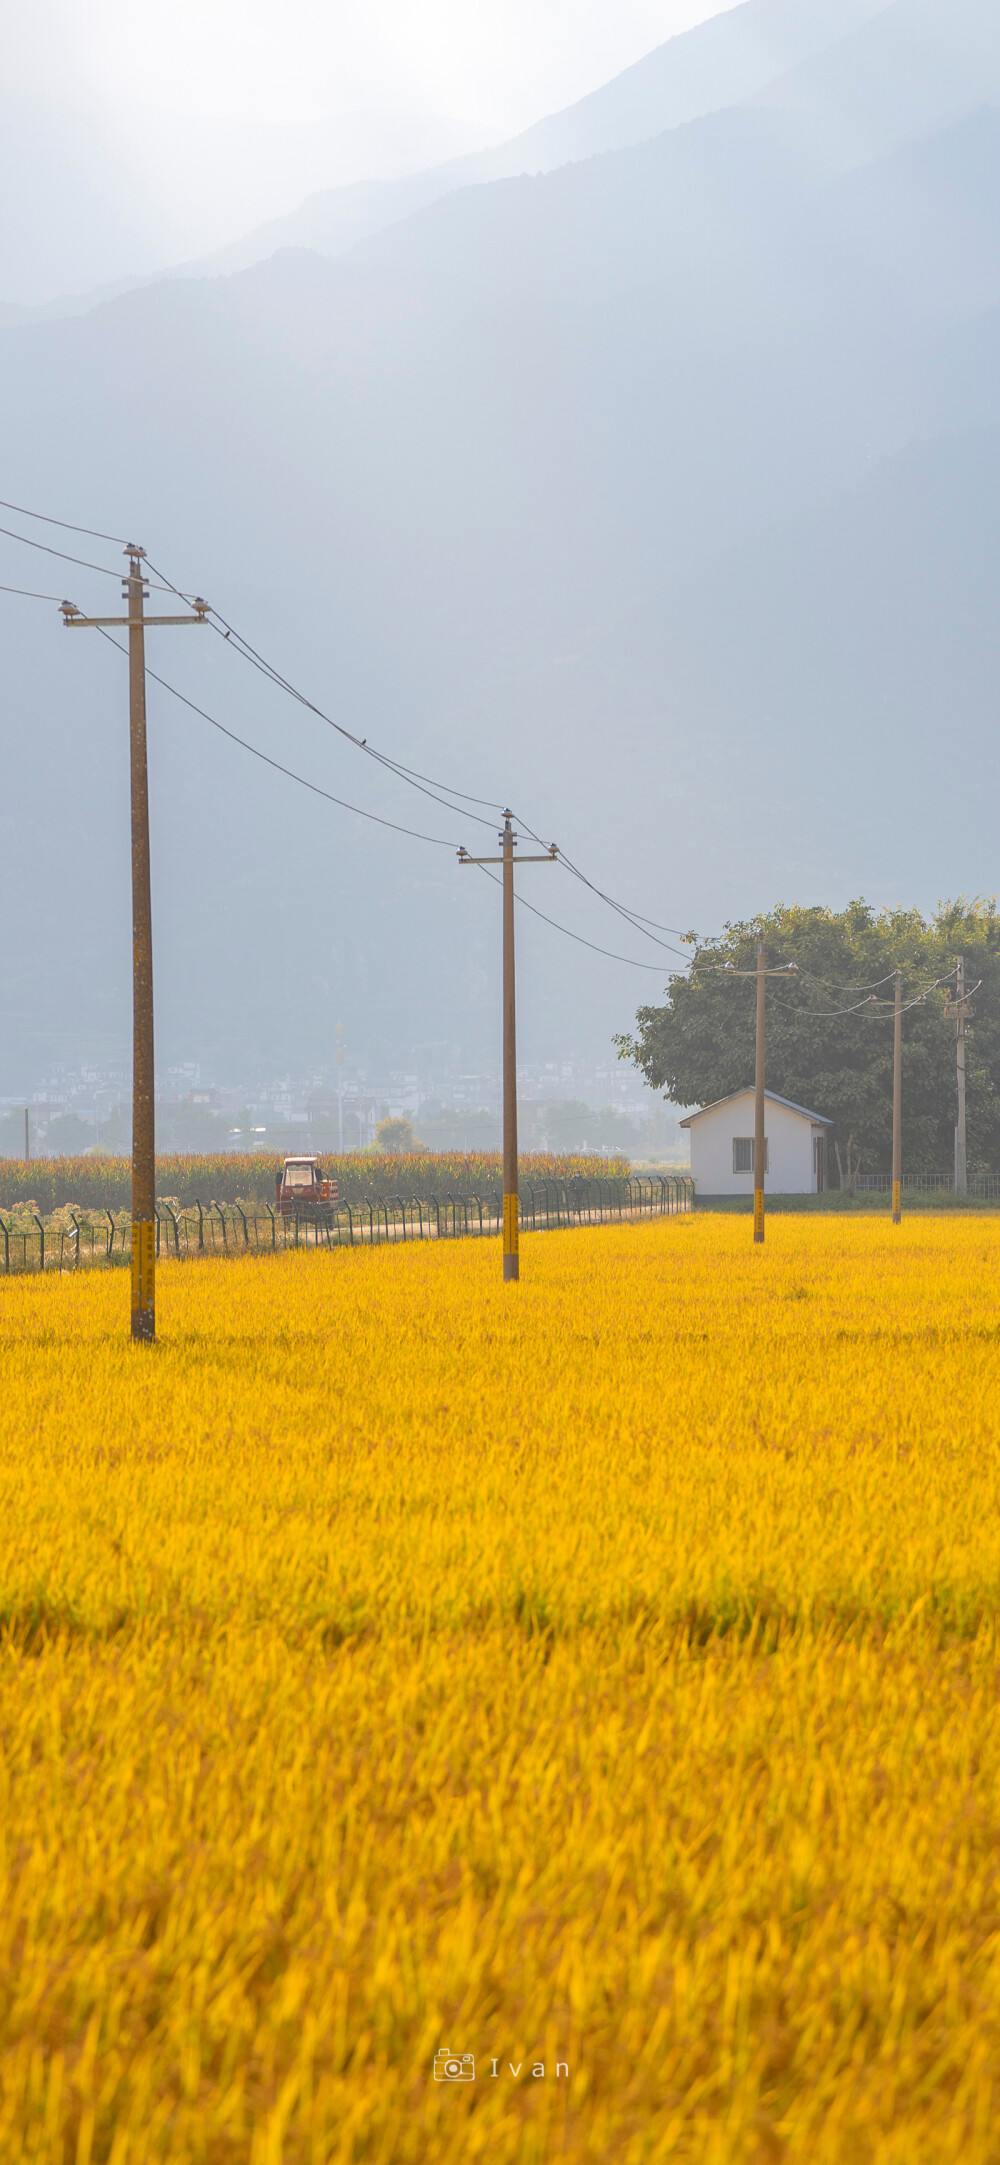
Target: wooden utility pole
x,y
511,1258
961,1164
897,1103
143,1108
759,1137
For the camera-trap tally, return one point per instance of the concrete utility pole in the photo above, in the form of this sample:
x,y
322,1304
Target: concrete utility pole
x,y
27,1150
759,1137
143,1112
510,1225
761,974
897,1103
961,1166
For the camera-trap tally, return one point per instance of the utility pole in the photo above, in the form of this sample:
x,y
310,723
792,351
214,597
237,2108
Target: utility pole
x,y
961,1166
897,1103
143,1111
510,1225
759,1137
761,975
27,1150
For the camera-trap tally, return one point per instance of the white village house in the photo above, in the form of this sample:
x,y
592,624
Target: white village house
x,y
798,1144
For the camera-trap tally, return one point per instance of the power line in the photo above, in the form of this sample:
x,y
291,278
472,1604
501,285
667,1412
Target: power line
x,y
28,593
811,1014
84,562
428,785
359,811
578,936
376,817
47,520
875,985
61,553
633,917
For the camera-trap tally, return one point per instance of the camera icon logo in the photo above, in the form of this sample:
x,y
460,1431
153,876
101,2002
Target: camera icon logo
x,y
454,2067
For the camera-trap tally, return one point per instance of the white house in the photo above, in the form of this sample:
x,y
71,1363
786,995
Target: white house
x,y
798,1144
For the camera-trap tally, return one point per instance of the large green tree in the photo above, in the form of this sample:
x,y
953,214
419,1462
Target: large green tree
x,y
829,1028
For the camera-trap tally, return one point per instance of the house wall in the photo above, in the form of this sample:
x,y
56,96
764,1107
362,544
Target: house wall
x,y
790,1152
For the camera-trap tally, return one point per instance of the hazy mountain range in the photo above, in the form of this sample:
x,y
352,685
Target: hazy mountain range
x,y
641,473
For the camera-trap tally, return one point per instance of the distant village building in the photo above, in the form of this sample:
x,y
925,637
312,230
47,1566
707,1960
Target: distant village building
x,y
798,1147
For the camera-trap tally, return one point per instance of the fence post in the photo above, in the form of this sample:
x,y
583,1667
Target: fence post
x,y
201,1226
433,1203
41,1229
76,1222
6,1245
246,1236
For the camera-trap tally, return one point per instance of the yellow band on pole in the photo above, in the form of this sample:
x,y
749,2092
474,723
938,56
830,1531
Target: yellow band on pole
x,y
143,1267
758,1213
510,1225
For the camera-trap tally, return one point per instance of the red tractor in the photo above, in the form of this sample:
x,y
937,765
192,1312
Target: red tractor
x,y
301,1188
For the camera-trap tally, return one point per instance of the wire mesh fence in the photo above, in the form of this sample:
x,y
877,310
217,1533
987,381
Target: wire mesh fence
x,y
982,1187
77,1239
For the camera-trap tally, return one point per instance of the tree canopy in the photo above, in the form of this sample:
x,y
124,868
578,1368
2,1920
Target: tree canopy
x,y
829,1028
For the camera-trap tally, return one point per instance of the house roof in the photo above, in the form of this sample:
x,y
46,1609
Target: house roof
x,y
819,1119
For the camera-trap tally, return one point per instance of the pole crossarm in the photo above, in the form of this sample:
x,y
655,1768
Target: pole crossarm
x,y
550,855
74,621
730,970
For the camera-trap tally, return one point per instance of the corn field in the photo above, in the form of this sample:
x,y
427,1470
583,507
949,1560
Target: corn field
x,y
95,1182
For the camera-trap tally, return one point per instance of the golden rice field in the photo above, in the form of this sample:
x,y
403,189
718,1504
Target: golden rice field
x,y
599,1674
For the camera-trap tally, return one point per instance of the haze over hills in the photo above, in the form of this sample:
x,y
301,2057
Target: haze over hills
x,y
652,494
715,64
148,186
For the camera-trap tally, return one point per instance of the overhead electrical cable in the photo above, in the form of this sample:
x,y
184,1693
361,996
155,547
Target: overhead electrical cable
x,y
875,985
47,550
439,840
633,917
47,520
886,1007
29,593
360,811
427,784
577,936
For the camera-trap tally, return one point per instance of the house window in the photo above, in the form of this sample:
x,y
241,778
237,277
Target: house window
x,y
743,1154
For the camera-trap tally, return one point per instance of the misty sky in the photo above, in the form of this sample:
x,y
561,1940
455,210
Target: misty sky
x,y
173,131
497,63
